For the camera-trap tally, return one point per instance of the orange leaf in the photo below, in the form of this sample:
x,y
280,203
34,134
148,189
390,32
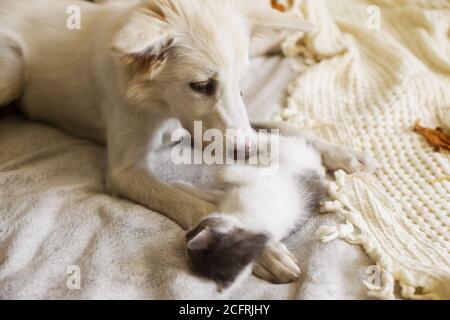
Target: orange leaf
x,y
437,138
278,6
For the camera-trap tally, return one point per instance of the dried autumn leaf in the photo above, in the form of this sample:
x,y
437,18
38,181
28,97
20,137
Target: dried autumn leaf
x,y
436,137
278,6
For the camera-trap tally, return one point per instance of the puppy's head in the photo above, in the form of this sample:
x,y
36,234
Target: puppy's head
x,y
191,55
219,250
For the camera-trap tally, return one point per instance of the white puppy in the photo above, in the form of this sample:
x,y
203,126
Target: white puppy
x,y
260,205
133,66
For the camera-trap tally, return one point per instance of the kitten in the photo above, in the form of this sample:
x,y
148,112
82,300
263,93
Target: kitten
x,y
259,204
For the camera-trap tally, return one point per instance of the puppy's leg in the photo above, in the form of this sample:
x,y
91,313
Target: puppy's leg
x,y
11,70
276,264
132,139
138,184
212,196
334,156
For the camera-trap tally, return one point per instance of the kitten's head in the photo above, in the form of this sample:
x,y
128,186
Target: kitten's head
x,y
220,250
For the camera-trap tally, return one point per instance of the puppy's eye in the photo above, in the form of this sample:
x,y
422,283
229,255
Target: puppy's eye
x,y
207,88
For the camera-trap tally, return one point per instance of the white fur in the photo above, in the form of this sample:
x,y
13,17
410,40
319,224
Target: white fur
x,y
271,201
79,80
88,83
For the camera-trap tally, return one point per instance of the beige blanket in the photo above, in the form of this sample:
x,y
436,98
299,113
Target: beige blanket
x,y
62,236
375,68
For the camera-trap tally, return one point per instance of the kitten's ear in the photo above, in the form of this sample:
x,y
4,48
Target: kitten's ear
x,y
202,240
268,21
144,41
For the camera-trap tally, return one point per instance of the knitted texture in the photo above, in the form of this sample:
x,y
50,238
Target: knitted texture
x,y
365,85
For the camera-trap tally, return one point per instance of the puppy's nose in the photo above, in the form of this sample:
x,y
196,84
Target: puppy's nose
x,y
246,150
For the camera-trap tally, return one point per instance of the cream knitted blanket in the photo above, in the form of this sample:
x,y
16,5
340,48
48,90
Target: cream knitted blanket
x,y
375,67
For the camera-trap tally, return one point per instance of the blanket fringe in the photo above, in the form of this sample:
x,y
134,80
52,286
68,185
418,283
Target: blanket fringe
x,y
348,233
352,231
409,248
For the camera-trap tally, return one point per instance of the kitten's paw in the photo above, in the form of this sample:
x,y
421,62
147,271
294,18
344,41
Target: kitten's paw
x,y
277,264
348,159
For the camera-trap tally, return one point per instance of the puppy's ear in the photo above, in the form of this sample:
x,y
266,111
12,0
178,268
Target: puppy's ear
x,y
144,41
268,21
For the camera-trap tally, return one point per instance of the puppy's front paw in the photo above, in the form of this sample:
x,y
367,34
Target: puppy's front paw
x,y
348,159
277,264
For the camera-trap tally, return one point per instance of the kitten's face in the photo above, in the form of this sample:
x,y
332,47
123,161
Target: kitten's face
x,y
220,251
